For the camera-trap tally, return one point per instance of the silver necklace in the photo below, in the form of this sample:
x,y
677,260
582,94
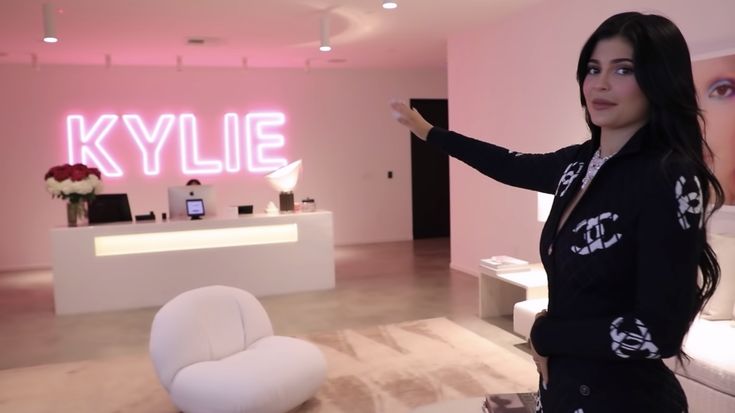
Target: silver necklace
x,y
595,164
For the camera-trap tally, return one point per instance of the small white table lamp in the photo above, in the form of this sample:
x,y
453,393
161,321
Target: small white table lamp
x,y
284,180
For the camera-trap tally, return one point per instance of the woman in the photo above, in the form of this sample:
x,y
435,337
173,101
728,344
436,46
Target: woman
x,y
626,231
715,81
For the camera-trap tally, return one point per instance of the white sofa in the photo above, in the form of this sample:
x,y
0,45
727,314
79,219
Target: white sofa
x,y
708,378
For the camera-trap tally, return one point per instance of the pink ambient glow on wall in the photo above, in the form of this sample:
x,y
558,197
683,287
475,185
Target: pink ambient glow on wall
x,y
261,139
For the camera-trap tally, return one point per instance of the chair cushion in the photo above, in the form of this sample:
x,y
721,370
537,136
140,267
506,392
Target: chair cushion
x,y
204,324
273,375
709,345
722,304
524,315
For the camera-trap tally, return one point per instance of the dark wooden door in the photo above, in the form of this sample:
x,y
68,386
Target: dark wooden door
x,y
430,175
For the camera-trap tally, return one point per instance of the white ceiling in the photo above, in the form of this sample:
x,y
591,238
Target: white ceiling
x,y
267,33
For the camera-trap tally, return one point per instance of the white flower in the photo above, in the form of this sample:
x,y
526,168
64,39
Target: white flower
x,y
83,187
53,186
95,182
68,187
65,186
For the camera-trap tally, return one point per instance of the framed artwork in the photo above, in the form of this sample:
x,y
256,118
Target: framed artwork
x,y
715,82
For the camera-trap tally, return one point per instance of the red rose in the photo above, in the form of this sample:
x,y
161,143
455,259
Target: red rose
x,y
61,172
96,172
79,172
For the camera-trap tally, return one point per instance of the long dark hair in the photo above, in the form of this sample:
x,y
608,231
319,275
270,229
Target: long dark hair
x,y
663,70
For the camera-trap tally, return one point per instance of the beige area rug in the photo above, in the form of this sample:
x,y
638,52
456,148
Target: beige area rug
x,y
390,368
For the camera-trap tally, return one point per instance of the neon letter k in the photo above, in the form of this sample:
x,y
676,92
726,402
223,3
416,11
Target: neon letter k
x,y
87,145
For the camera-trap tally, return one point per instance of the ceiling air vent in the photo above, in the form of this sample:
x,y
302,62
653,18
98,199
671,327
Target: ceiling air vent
x,y
207,41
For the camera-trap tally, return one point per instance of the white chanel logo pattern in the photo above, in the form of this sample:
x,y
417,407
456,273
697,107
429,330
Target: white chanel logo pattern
x,y
594,234
569,175
628,342
689,203
516,154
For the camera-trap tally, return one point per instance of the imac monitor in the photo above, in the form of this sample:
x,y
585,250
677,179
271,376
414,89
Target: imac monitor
x,y
106,208
195,208
178,196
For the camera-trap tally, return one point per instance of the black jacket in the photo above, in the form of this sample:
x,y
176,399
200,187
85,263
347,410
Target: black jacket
x,y
622,270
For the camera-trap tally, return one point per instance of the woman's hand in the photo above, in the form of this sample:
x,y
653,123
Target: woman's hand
x,y
542,363
411,118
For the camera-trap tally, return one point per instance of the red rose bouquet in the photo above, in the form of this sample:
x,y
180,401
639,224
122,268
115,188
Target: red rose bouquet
x,y
73,182
76,183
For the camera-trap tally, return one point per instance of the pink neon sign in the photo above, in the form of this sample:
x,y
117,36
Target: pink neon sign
x,y
150,143
90,149
256,124
261,139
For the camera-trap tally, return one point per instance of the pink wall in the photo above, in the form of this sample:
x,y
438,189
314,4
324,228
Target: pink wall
x,y
514,84
337,121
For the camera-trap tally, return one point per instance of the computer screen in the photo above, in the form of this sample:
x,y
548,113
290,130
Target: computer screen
x,y
178,195
195,208
109,208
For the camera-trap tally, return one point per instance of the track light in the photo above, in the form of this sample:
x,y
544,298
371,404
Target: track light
x,y
324,45
49,26
387,4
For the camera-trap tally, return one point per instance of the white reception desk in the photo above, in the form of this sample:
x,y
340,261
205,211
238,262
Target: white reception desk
x,y
123,266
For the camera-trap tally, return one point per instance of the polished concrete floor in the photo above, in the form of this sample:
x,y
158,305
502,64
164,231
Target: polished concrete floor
x,y
376,284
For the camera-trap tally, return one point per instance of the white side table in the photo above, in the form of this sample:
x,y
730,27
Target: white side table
x,y
499,290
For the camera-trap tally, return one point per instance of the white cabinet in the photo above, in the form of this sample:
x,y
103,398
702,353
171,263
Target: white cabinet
x,y
500,290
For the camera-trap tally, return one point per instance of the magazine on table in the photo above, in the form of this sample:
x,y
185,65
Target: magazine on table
x,y
510,403
505,263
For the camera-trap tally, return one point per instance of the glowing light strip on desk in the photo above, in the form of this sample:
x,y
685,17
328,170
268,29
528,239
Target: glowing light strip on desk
x,y
194,240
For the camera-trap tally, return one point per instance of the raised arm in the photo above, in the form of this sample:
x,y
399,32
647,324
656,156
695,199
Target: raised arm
x,y
411,119
538,172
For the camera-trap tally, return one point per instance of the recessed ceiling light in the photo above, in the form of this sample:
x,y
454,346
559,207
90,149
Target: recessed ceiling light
x,y
49,26
387,4
324,45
